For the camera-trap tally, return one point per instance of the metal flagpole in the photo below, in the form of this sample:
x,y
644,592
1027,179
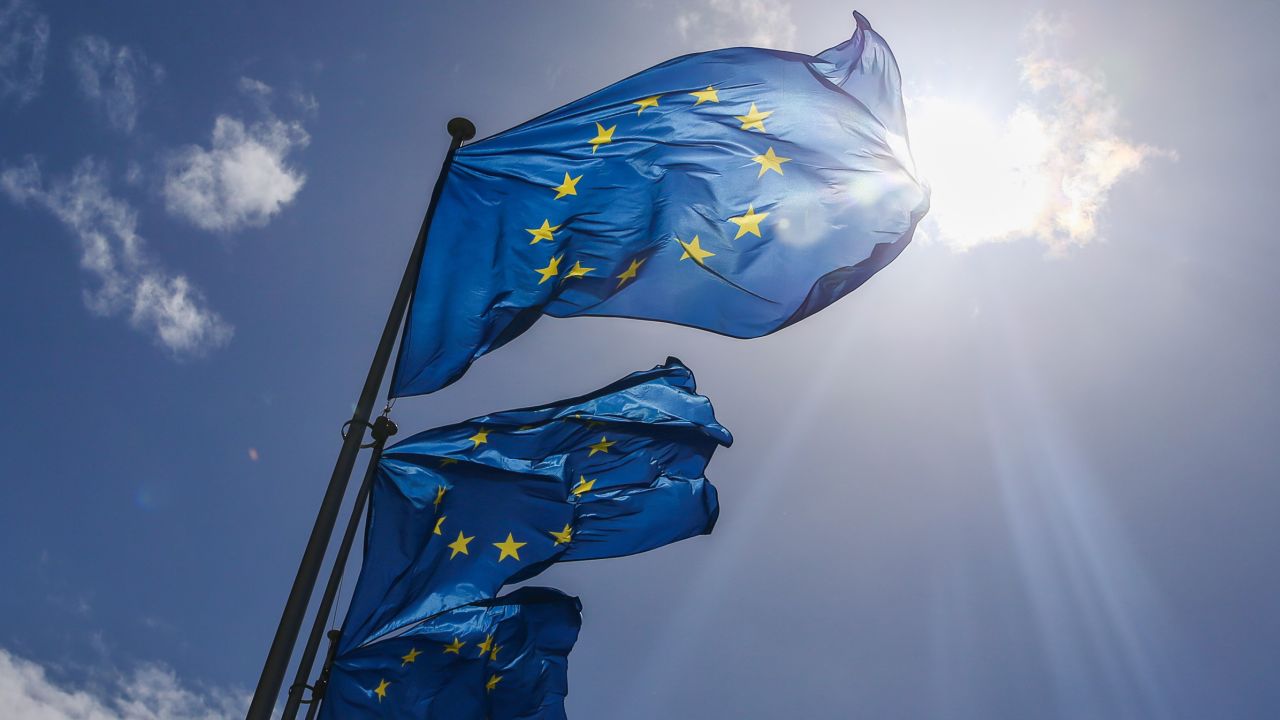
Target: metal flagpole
x,y
383,428
295,608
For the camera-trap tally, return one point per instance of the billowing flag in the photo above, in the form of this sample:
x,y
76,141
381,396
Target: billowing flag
x,y
460,511
502,659
736,191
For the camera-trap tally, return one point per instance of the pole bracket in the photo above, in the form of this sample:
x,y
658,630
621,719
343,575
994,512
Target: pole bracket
x,y
346,430
380,429
304,687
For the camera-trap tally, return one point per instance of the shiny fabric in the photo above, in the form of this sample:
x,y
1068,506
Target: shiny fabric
x,y
516,236
503,659
613,473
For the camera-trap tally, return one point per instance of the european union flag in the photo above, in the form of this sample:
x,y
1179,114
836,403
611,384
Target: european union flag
x,y
502,659
460,511
736,191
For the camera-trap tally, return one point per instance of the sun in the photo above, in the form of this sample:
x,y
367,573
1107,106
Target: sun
x,y
988,175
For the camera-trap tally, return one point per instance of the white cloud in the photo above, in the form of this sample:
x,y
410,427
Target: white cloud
x,y
113,78
1042,172
24,38
151,692
722,23
176,312
242,179
251,86
156,301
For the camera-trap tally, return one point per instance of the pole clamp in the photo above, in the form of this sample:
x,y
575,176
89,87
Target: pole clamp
x,y
380,429
302,687
346,430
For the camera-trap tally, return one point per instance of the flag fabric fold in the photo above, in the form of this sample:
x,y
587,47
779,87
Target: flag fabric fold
x,y
737,191
501,659
459,511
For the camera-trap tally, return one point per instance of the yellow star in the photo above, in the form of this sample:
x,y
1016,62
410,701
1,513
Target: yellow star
x,y
708,95
646,102
481,437
484,646
542,233
768,161
551,270
749,223
602,446
577,271
564,535
693,250
413,655
493,683
509,548
460,545
568,187
439,496
454,647
602,136
444,462
381,690
439,522
630,272
585,485
494,655
754,119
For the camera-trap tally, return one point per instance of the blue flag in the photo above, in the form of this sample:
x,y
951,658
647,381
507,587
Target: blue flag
x,y
736,191
460,511
501,659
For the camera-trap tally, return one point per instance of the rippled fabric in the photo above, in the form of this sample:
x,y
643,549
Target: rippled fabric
x,y
459,511
503,659
736,191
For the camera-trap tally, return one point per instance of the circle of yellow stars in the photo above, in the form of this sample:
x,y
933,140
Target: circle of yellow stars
x,y
748,223
509,548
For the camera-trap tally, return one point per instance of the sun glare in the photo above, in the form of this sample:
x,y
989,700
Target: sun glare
x,y
987,175
1041,170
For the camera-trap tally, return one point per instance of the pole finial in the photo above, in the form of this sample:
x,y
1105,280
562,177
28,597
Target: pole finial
x,y
461,129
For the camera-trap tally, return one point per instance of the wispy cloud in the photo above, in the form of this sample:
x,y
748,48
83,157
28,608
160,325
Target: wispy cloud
x,y
255,87
1043,172
129,283
113,78
242,179
24,38
305,102
151,692
722,23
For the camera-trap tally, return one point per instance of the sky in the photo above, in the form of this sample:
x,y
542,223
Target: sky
x,y
1029,470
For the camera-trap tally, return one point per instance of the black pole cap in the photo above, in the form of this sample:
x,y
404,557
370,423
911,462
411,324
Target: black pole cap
x,y
461,129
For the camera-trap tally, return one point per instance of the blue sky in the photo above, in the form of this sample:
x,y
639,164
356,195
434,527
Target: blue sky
x,y
1026,471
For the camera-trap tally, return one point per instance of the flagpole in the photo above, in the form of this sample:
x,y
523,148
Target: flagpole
x,y
383,428
273,670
